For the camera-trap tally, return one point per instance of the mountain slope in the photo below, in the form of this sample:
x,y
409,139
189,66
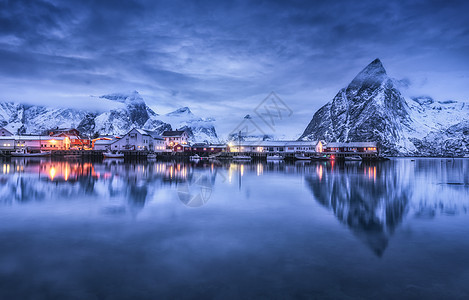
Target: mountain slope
x,y
371,108
132,112
199,129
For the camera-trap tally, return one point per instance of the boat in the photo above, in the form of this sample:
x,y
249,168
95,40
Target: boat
x,y
353,158
242,157
151,156
274,157
324,157
23,153
302,157
113,155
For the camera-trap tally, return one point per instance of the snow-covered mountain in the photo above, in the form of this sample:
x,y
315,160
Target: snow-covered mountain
x,y
132,112
199,129
371,108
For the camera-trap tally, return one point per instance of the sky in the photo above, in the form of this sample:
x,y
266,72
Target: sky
x,y
222,58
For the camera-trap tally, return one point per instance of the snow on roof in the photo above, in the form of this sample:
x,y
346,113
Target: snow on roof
x,y
153,134
352,144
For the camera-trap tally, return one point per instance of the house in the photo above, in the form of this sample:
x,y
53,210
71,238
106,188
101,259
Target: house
x,y
173,137
202,149
277,146
34,142
139,140
5,132
7,142
364,149
76,141
103,144
181,148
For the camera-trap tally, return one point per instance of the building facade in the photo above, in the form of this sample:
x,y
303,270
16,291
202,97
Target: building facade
x,y
277,146
174,137
139,140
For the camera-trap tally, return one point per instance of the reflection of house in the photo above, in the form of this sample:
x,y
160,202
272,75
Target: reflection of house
x,y
277,146
173,137
139,139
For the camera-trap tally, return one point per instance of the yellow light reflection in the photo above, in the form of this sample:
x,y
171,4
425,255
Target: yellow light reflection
x,y
52,173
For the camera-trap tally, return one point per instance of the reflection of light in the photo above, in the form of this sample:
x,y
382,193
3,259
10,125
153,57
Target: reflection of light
x,y
319,171
230,172
52,173
260,169
66,173
374,173
4,168
242,170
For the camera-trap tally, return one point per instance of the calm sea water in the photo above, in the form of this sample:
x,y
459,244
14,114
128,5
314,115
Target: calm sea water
x,y
112,230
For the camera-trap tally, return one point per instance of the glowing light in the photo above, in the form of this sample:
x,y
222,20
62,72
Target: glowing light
x,y
242,170
66,173
260,169
52,173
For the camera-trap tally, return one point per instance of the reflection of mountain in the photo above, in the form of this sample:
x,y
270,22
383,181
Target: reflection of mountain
x,y
370,199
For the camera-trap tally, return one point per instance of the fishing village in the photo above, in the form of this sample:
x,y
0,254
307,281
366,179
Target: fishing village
x,y
144,144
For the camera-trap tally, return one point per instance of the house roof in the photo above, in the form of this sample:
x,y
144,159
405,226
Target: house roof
x,y
204,145
352,144
153,134
104,142
173,133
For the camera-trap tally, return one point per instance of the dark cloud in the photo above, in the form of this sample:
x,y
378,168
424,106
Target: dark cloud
x,y
226,53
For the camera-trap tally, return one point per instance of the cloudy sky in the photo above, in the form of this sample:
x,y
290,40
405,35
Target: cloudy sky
x,y
221,58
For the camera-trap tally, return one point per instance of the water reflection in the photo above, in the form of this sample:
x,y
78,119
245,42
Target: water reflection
x,y
371,199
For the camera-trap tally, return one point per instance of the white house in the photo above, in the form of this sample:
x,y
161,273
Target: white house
x,y
5,132
139,139
103,144
277,146
174,137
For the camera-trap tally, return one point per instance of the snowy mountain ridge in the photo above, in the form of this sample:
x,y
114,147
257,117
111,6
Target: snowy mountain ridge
x,y
134,113
371,108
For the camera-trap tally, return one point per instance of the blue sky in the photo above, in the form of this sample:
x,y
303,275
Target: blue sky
x,y
221,58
